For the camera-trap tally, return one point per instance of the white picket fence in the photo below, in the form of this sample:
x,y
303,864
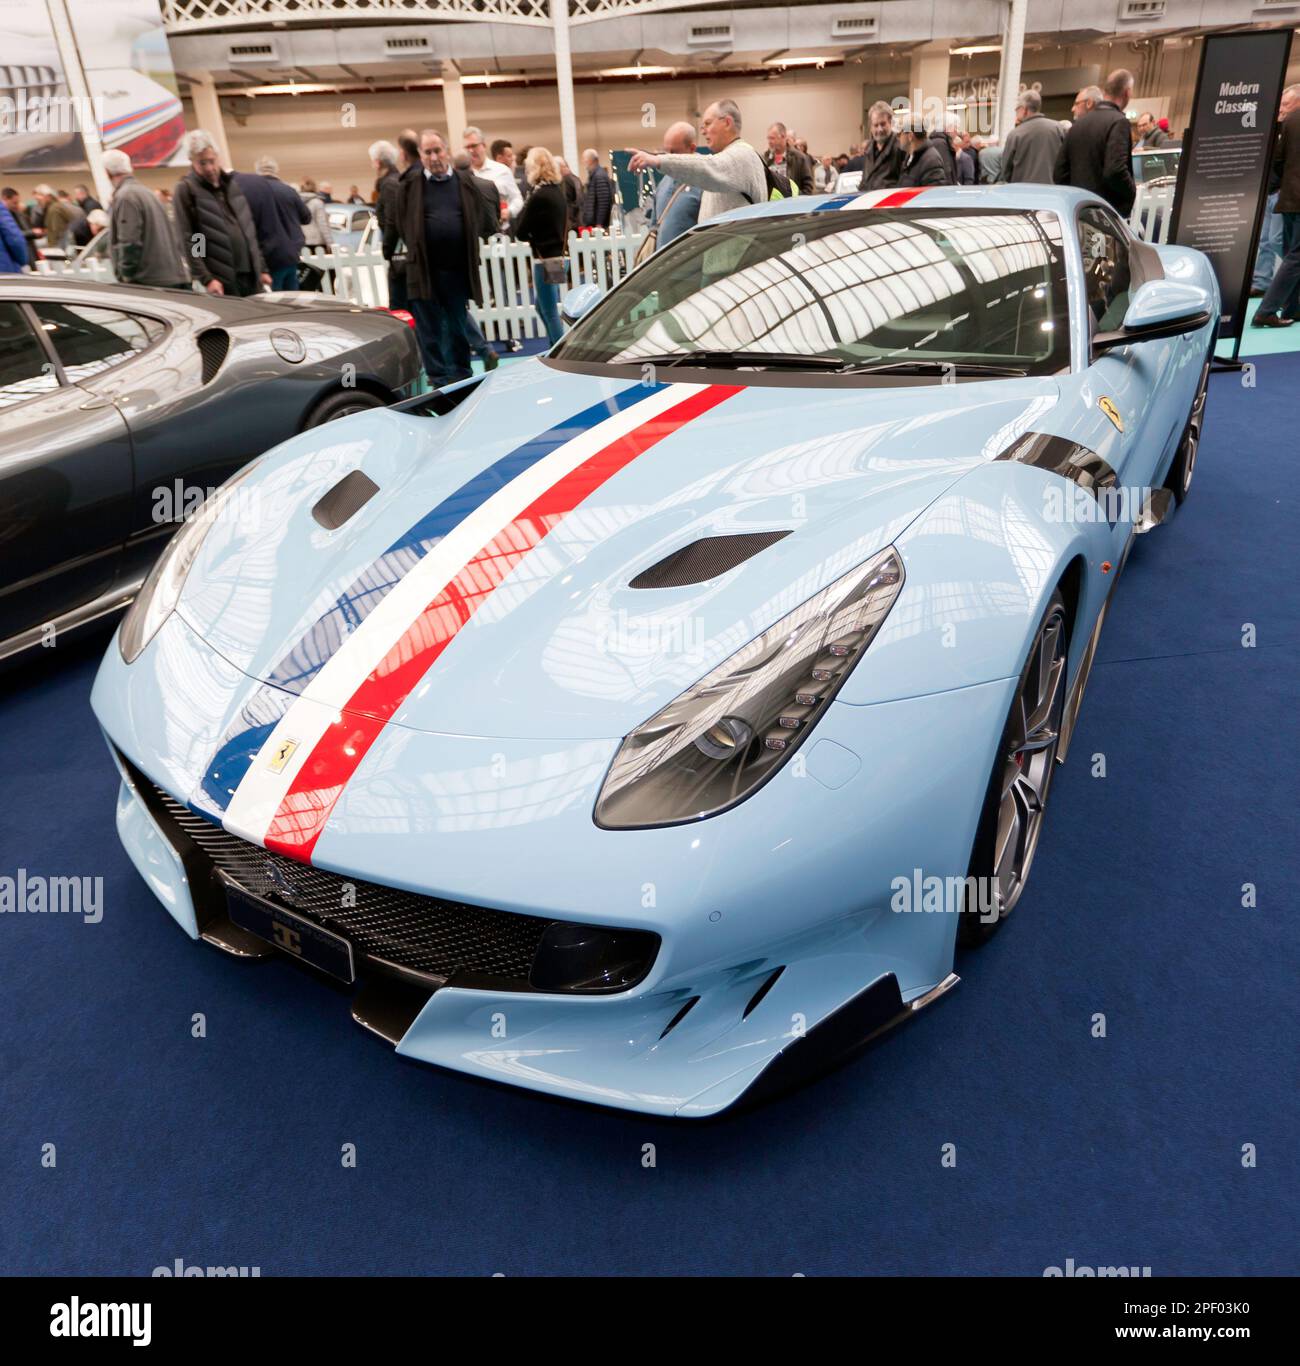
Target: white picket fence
x,y
1153,210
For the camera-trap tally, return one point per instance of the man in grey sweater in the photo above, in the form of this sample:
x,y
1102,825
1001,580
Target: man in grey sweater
x,y
729,179
1032,145
144,246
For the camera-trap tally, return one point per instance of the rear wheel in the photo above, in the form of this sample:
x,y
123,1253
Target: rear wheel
x,y
1184,466
341,404
1012,818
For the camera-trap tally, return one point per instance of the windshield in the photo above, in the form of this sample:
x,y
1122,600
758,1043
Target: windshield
x,y
844,290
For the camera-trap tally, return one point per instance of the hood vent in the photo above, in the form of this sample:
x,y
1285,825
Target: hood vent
x,y
705,559
214,345
345,500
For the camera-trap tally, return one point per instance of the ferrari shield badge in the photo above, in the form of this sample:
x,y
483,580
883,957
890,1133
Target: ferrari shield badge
x,y
283,753
1111,412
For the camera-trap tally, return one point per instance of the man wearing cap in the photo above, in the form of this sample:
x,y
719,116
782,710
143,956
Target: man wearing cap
x,y
922,163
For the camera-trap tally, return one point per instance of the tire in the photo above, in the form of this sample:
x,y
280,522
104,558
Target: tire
x,y
342,403
1016,799
1179,481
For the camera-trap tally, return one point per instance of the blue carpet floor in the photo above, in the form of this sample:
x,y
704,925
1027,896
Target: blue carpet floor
x,y
1126,1150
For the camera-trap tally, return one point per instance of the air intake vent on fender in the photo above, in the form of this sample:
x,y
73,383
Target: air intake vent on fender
x,y
214,346
705,559
345,500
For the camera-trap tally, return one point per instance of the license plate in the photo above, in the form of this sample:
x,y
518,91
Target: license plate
x,y
293,934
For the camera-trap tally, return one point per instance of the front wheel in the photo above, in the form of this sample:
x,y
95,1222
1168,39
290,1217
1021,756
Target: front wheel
x,y
1012,818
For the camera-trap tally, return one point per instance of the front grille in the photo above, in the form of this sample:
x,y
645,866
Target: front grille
x,y
421,934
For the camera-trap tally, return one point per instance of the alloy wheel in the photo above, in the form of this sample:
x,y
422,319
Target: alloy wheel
x,y
1030,743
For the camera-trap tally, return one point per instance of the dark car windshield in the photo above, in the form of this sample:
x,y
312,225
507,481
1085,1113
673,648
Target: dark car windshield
x,y
856,291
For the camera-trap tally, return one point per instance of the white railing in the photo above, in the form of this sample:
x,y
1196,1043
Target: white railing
x,y
96,268
1153,210
505,269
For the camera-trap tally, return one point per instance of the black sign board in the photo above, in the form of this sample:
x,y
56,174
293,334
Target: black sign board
x,y
1223,173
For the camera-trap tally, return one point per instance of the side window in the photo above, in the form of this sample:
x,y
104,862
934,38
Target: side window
x,y
1105,269
25,369
90,339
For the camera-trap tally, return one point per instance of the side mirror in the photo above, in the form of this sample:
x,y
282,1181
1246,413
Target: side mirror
x,y
579,301
1159,308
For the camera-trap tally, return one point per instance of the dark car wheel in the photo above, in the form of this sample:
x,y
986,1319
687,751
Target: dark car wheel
x,y
1184,466
1012,818
342,404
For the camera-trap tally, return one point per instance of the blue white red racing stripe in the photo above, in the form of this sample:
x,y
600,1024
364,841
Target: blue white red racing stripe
x,y
282,767
872,199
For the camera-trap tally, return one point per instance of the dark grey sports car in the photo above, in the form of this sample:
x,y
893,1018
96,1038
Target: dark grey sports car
x,y
121,407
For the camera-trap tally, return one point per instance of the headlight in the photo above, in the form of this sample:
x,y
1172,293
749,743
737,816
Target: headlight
x,y
162,589
720,740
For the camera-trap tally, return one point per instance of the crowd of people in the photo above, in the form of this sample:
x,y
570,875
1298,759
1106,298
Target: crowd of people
x,y
236,232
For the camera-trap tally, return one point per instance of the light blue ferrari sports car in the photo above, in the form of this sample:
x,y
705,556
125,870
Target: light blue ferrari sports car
x,y
646,723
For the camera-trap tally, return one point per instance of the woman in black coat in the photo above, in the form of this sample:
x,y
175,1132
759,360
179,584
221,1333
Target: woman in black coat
x,y
543,223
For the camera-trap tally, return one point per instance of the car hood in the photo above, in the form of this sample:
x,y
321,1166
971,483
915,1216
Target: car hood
x,y
541,634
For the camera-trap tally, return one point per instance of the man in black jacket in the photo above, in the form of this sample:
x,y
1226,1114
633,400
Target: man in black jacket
x,y
882,162
215,224
598,199
442,222
922,164
383,157
784,157
278,216
941,141
1097,152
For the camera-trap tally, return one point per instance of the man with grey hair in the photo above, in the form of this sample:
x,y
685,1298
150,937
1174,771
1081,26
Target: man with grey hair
x,y
278,217
882,161
56,217
141,240
215,224
501,176
443,219
676,206
1032,146
1097,153
730,178
388,196
1087,98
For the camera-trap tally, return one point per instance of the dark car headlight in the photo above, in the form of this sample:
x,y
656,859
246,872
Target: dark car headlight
x,y
721,739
